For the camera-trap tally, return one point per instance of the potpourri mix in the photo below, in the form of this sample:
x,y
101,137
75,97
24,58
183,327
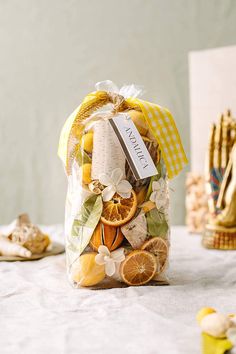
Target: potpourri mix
x,y
119,152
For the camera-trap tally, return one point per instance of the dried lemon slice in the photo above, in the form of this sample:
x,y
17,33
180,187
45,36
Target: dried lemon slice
x,y
138,268
159,248
118,210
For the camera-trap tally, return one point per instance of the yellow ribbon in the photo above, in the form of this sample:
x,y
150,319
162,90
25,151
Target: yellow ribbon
x,y
159,119
163,128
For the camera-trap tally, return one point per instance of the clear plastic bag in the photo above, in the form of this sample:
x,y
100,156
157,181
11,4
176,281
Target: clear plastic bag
x,y
116,226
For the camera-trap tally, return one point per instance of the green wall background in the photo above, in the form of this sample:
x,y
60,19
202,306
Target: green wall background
x,y
52,53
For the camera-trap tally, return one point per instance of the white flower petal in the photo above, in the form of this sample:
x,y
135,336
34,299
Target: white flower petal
x,y
104,250
161,181
125,195
164,188
161,198
108,193
99,259
110,267
118,255
117,275
105,179
160,195
153,197
155,185
160,203
159,185
124,187
116,176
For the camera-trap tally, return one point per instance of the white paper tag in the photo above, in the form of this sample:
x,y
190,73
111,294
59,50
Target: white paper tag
x,y
136,153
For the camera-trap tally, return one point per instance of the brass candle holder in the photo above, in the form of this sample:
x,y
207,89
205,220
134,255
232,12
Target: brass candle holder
x,y
220,230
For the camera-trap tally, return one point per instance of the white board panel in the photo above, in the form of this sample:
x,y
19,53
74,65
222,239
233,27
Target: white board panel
x,y
212,75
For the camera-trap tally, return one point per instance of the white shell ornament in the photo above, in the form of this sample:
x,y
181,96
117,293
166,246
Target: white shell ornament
x,y
216,324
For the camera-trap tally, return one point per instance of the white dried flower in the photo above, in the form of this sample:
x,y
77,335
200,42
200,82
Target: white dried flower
x,y
159,195
216,324
115,184
109,259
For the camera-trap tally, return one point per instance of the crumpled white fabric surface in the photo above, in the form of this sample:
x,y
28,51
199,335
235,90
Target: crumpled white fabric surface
x,y
41,314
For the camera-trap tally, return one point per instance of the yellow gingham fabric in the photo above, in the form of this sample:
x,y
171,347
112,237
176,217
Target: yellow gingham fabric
x,y
160,122
162,126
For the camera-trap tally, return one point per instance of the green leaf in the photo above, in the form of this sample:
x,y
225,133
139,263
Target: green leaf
x,y
156,223
82,157
86,221
90,211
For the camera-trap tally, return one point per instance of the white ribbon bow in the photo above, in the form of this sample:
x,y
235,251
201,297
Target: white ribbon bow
x,y
125,91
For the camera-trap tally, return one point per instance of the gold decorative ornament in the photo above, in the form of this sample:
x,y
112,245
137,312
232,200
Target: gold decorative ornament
x,y
220,176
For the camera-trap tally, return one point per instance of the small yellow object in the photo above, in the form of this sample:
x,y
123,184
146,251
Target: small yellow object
x,y
139,121
141,195
86,142
147,206
212,345
231,315
204,312
86,173
86,271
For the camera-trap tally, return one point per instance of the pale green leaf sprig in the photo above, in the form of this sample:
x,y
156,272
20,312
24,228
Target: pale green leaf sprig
x,y
156,223
86,221
157,218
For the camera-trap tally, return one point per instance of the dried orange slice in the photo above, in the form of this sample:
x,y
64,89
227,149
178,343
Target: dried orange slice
x,y
118,210
159,248
138,268
106,235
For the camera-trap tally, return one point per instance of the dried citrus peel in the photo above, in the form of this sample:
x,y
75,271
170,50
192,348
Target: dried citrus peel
x,y
138,268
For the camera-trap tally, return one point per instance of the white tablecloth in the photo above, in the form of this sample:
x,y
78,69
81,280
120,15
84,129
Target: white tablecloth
x,y
41,314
